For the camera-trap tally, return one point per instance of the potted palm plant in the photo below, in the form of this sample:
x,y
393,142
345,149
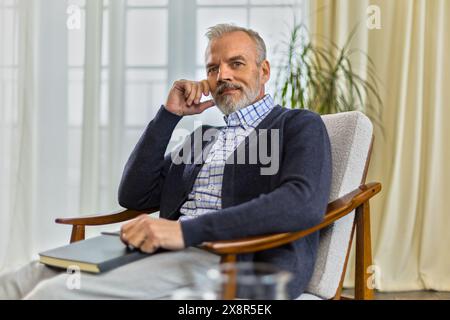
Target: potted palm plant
x,y
322,77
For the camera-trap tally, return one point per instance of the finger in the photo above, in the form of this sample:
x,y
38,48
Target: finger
x,y
123,236
205,105
187,89
210,91
148,246
138,238
205,87
136,234
191,98
126,227
124,230
199,93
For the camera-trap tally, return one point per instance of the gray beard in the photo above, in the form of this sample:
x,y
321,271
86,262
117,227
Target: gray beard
x,y
228,106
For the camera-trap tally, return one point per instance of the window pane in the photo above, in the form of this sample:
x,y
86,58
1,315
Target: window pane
x,y
8,95
8,36
270,86
76,2
104,98
76,42
131,137
105,38
75,96
104,168
9,2
145,93
147,2
74,166
200,74
209,17
146,37
273,24
220,2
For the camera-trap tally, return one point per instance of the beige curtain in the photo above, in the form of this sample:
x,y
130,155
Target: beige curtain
x,y
411,218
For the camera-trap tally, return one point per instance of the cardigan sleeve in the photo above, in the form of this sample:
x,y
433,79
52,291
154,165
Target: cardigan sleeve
x,y
298,203
146,168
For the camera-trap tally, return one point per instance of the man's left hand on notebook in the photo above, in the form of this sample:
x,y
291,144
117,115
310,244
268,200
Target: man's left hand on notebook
x,y
149,234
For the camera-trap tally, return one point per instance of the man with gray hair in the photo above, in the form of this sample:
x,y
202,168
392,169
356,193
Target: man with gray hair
x,y
216,200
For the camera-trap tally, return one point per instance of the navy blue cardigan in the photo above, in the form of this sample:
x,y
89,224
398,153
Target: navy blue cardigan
x,y
293,199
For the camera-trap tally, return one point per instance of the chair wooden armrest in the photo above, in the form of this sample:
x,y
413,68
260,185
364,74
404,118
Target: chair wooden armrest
x,y
335,210
79,223
109,218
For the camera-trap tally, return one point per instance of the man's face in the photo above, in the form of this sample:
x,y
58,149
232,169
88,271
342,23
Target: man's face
x,y
234,77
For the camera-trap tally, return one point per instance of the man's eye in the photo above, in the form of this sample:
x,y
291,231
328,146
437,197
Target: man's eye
x,y
237,64
214,69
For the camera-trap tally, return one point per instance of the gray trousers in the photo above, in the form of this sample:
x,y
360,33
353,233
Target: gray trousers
x,y
155,277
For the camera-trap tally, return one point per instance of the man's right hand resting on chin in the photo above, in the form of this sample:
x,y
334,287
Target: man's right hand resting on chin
x,y
184,97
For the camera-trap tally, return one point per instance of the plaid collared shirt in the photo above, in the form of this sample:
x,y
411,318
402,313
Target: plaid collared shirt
x,y
207,190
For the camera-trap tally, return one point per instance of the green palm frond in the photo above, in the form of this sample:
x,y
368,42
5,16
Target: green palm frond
x,y
322,78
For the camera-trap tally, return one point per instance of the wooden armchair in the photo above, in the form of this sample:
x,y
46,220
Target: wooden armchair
x,y
345,215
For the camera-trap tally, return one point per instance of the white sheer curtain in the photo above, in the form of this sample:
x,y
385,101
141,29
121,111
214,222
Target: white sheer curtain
x,y
80,80
17,130
35,144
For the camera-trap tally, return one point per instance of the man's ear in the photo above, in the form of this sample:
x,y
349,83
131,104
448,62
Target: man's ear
x,y
265,71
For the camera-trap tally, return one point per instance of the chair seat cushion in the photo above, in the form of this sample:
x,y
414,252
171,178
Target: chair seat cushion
x,y
308,296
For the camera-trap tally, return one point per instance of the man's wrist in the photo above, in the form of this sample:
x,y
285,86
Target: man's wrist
x,y
164,122
192,231
172,112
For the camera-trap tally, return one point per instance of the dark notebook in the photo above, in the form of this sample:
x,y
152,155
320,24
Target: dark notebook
x,y
98,254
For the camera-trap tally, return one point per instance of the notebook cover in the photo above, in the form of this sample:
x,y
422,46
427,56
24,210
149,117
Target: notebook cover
x,y
104,251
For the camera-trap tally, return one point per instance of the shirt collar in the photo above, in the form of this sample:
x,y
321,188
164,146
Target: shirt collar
x,y
251,115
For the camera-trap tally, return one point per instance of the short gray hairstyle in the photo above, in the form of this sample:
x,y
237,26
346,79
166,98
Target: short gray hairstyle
x,y
219,30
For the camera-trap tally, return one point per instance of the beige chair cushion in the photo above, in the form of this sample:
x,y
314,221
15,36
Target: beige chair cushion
x,y
350,135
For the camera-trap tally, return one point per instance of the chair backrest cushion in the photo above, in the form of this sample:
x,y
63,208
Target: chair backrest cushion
x,y
350,136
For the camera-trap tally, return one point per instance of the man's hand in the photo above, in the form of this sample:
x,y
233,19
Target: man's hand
x,y
148,234
184,97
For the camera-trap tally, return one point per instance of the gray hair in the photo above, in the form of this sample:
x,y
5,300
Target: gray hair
x,y
219,30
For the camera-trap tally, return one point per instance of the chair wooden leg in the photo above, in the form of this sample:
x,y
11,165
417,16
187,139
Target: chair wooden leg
x,y
77,233
363,291
229,287
338,295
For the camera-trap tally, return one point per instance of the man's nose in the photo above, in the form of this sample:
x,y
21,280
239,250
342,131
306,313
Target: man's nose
x,y
224,74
